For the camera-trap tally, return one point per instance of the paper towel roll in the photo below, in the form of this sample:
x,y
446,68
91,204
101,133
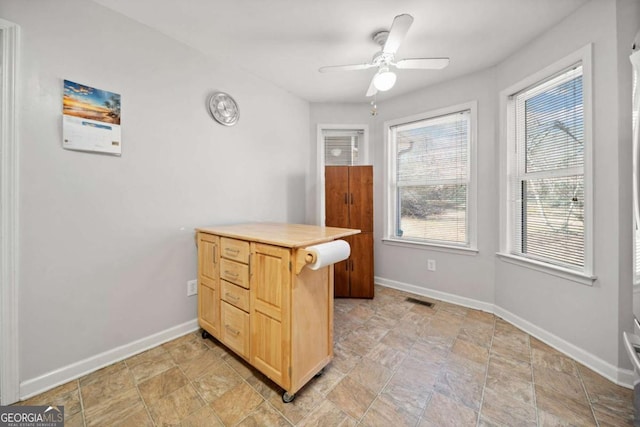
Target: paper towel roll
x,y
329,253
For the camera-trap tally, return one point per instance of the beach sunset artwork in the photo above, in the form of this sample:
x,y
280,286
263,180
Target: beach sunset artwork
x,y
90,103
90,119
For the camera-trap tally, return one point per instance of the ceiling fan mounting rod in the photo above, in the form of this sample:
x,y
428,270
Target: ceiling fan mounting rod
x,y
380,37
382,58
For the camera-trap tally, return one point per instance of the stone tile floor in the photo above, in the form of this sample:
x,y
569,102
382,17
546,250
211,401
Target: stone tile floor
x,y
396,363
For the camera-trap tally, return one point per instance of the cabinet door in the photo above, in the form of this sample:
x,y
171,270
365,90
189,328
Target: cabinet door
x,y
361,198
270,294
341,274
336,196
361,268
208,256
209,308
208,283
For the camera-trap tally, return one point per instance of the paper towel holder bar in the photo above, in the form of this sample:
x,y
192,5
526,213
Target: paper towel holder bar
x,y
322,255
303,258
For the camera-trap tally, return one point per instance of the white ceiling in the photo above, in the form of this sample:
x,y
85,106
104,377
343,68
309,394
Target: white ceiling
x,y
286,41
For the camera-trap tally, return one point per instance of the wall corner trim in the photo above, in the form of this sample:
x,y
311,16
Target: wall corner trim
x,y
9,218
78,369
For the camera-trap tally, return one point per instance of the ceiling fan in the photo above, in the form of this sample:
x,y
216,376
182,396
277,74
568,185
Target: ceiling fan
x,y
384,79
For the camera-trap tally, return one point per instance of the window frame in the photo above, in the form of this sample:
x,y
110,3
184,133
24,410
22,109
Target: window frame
x,y
390,178
320,164
509,163
635,60
636,257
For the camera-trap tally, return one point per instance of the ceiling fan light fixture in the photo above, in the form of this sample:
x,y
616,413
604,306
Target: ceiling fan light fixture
x,y
384,79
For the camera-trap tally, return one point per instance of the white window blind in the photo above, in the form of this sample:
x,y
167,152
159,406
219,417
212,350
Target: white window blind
x,y
432,179
547,184
341,147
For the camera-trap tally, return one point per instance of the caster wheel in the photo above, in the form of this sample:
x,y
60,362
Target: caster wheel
x,y
319,374
288,398
205,335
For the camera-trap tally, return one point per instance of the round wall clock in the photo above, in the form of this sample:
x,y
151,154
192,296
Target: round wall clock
x,y
224,108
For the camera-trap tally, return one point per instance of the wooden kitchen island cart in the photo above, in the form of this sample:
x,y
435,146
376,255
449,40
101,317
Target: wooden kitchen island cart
x,y
258,296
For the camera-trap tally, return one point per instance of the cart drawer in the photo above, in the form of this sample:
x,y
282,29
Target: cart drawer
x,y
234,272
235,329
237,250
235,295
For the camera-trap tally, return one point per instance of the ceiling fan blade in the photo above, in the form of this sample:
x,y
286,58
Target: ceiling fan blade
x,y
345,67
399,28
372,89
423,63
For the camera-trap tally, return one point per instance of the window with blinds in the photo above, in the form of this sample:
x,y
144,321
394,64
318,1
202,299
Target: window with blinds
x,y
432,179
342,146
547,178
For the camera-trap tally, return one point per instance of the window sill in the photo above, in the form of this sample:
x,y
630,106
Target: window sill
x,y
431,246
553,270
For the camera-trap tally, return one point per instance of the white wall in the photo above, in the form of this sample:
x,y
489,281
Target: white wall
x,y
585,321
107,243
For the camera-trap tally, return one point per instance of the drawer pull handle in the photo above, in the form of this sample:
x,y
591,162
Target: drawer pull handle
x,y
230,296
233,331
233,251
230,273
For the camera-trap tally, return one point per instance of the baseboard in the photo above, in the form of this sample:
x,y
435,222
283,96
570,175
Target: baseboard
x,y
620,376
76,370
439,295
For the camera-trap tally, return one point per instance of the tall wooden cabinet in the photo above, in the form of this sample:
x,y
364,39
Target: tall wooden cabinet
x,y
349,203
257,297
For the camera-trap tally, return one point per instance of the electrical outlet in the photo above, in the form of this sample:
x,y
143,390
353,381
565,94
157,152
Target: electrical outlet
x,y
431,264
192,287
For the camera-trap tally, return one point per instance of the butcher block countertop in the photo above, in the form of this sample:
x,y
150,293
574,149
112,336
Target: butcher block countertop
x,y
279,234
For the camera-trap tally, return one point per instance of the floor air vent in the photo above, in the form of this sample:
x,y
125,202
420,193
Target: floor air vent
x,y
419,301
